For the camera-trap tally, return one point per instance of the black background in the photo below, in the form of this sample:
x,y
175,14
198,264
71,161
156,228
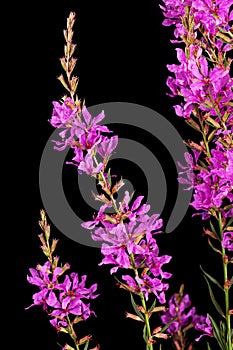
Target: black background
x,y
123,50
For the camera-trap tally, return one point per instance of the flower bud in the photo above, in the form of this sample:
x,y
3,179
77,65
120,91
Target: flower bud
x,y
134,317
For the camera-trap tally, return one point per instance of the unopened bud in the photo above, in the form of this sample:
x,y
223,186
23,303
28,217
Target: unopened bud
x,y
213,122
54,244
210,233
62,80
41,237
84,339
65,267
47,231
134,317
55,262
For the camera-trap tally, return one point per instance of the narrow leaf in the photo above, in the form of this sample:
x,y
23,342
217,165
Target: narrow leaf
x,y
213,247
145,336
136,308
213,229
109,177
168,324
229,222
86,345
152,306
218,308
223,329
216,333
212,279
211,135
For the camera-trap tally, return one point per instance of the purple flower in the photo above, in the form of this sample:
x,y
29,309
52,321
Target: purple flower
x,y
70,298
184,317
61,299
179,308
87,165
71,287
188,169
199,84
211,14
65,307
64,114
46,280
213,186
174,11
133,212
79,127
227,241
203,324
107,146
147,285
99,218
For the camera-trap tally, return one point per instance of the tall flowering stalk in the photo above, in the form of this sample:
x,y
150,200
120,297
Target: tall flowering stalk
x,y
202,82
63,296
128,232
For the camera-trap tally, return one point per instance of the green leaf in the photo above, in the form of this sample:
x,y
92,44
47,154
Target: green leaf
x,y
208,346
223,329
109,177
152,306
145,336
212,279
213,230
216,333
86,345
202,164
213,247
136,308
215,303
229,222
211,135
168,324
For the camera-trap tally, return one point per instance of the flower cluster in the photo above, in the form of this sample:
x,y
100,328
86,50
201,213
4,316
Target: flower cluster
x,y
207,15
206,88
181,317
82,133
128,233
212,185
203,83
64,297
130,245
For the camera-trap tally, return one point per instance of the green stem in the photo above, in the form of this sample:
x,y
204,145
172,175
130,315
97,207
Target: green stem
x,y
72,333
204,135
104,180
147,322
226,290
206,145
